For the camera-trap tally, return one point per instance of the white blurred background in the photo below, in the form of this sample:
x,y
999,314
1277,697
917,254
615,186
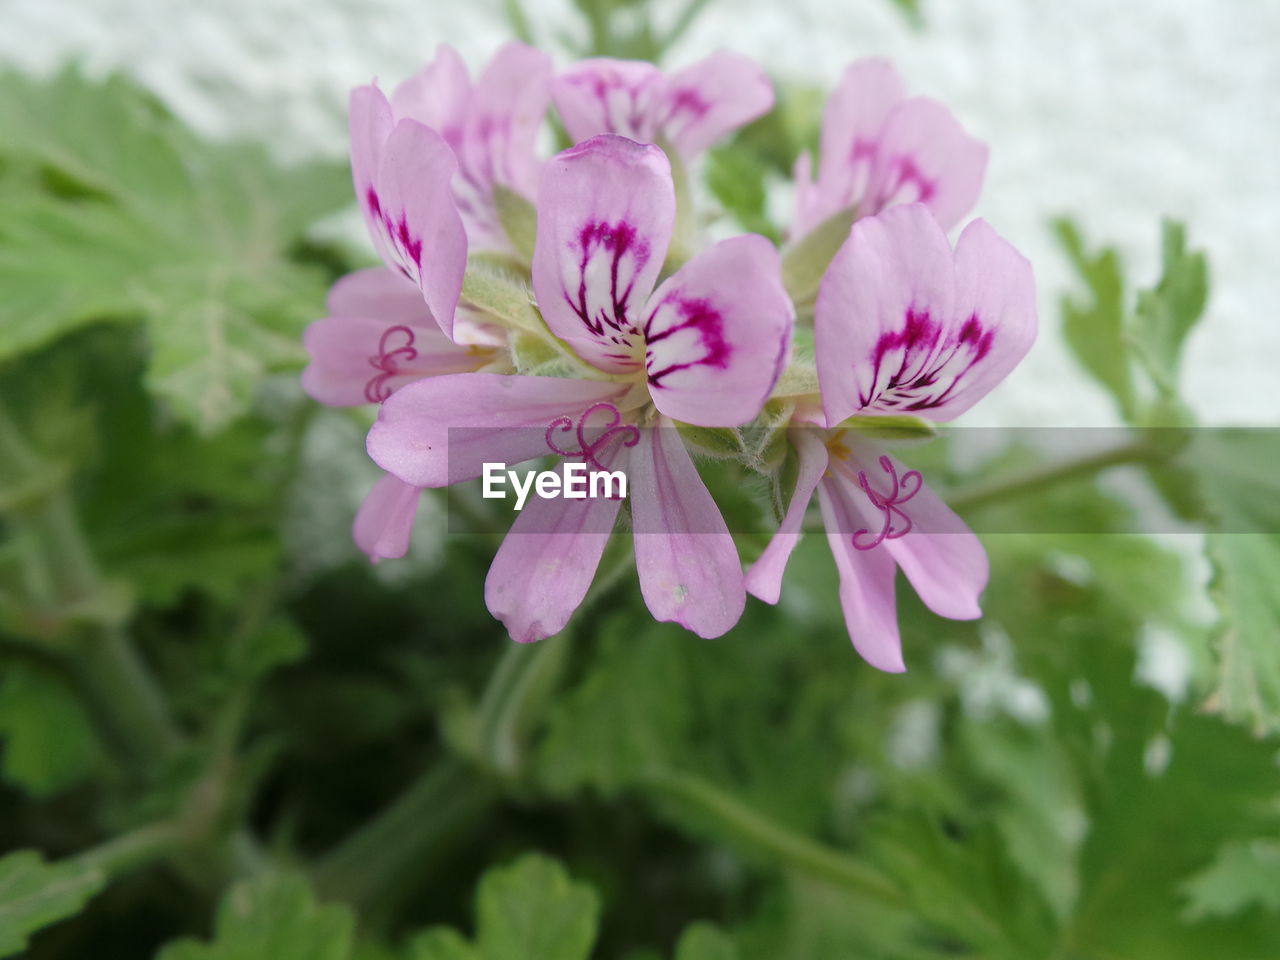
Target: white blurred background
x,y
1117,113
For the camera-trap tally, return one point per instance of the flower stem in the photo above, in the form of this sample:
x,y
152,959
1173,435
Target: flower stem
x,y
69,596
134,849
759,832
1050,475
377,863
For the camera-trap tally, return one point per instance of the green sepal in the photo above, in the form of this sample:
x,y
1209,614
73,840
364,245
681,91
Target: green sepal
x,y
891,428
519,219
722,443
805,261
490,285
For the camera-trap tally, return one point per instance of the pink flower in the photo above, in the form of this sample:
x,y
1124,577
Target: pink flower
x,y
902,326
706,347
690,109
880,148
380,335
491,125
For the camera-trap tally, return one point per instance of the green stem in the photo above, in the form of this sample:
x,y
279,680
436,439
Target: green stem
x,y
64,580
134,849
379,861
759,832
1041,478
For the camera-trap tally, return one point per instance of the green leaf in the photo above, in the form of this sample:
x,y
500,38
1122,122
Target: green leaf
x,y
441,943
968,886
702,941
273,917
1246,572
34,894
1095,328
146,221
519,219
806,260
532,910
1243,874
49,744
1166,314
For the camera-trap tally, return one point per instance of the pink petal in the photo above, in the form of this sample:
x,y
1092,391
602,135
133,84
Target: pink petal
x,y
926,156
608,96
442,431
506,113
378,293
764,579
940,555
384,522
851,127
370,120
717,333
995,299
417,216
546,564
685,557
606,209
943,559
437,96
712,98
866,583
884,316
358,360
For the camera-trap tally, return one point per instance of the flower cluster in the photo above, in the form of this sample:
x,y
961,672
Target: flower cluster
x,y
628,344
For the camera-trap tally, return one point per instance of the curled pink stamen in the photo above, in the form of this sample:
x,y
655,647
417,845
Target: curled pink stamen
x,y
904,489
386,360
615,429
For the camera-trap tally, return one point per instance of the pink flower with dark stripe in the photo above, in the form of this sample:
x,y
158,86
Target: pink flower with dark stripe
x,y
903,325
881,148
491,125
705,347
689,110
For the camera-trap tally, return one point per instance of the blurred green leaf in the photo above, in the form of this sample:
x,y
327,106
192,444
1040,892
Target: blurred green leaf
x,y
274,917
1243,874
34,894
530,910
1246,574
49,744
1167,313
1095,327
149,222
442,943
702,941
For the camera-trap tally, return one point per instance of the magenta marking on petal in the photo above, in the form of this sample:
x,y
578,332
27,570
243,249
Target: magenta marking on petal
x,y
386,359
410,244
890,503
373,203
905,176
929,367
697,314
617,241
615,431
